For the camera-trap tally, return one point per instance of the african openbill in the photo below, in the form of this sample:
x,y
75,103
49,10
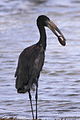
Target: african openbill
x,y
31,60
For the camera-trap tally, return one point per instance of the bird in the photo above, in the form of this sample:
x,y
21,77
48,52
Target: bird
x,y
31,60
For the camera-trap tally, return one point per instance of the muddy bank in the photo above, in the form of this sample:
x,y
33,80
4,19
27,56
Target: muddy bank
x,y
15,119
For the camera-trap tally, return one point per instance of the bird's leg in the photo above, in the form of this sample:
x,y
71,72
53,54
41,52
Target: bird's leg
x,y
36,97
31,103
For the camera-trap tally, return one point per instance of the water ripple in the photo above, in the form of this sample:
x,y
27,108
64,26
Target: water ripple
x,y
59,84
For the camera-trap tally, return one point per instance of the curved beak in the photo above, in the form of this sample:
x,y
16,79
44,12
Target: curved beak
x,y
57,32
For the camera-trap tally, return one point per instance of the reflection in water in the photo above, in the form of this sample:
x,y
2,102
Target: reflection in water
x,y
59,84
38,2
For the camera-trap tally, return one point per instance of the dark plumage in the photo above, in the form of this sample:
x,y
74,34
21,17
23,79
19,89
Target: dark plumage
x,y
31,59
29,66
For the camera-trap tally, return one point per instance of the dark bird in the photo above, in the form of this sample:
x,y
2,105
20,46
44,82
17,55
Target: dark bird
x,y
31,60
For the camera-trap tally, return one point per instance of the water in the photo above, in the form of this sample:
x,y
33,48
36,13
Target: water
x,y
59,83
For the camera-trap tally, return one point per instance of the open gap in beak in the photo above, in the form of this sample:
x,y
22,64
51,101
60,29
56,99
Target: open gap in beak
x,y
57,32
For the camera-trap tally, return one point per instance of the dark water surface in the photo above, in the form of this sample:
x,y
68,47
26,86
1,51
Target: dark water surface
x,y
59,83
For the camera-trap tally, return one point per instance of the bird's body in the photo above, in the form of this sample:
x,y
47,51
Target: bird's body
x,y
31,59
30,64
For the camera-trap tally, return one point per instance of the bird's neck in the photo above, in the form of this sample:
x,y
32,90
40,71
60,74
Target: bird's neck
x,y
42,37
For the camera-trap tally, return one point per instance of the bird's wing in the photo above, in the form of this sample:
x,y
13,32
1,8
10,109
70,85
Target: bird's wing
x,y
24,59
25,68
22,71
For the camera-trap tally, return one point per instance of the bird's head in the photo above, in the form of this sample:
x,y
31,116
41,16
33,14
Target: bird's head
x,y
43,20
